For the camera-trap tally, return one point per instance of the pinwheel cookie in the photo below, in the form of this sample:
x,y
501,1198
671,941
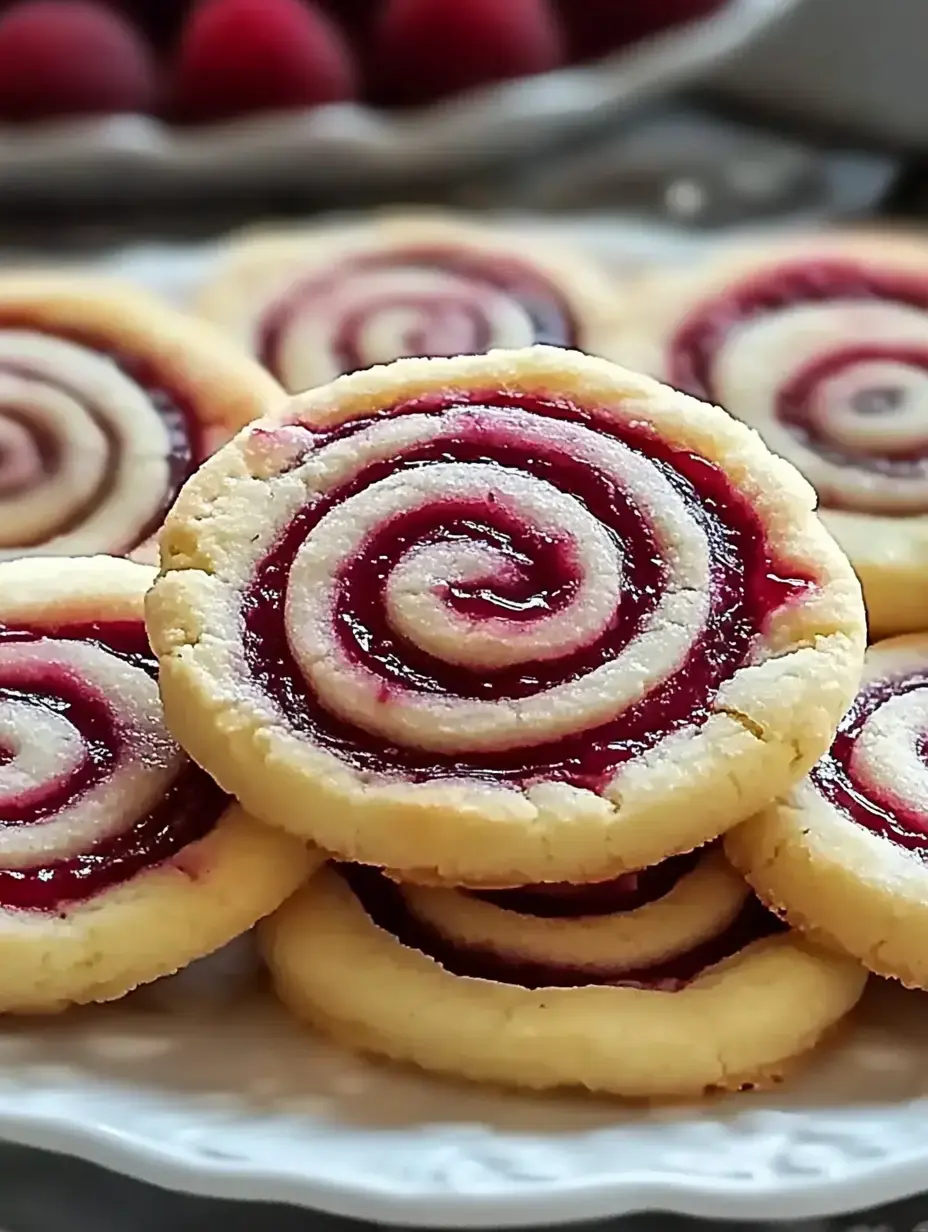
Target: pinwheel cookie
x,y
844,854
312,306
500,619
120,861
668,985
108,401
822,346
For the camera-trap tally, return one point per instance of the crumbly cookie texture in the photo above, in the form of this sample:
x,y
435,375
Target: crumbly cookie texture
x,y
821,344
312,305
109,400
499,619
120,861
843,854
737,1022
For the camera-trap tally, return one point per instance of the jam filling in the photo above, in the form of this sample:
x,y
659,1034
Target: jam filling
x,y
697,344
862,800
747,585
186,449
188,812
547,309
382,900
561,900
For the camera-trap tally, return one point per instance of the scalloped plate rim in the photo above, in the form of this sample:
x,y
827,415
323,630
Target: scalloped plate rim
x,y
550,1204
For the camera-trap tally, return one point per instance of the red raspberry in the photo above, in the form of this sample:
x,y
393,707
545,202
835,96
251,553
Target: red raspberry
x,y
71,57
596,27
242,56
425,49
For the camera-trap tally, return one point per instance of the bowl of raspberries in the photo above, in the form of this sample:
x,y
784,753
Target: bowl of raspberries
x,y
316,92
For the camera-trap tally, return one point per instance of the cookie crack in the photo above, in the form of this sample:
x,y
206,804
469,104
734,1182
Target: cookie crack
x,y
745,721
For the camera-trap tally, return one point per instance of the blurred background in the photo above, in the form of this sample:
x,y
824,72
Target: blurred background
x,y
151,118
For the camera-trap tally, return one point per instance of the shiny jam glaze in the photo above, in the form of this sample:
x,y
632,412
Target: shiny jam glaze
x,y
860,799
188,811
748,584
547,309
187,446
382,900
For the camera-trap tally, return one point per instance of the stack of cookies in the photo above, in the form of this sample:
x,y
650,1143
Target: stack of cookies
x,y
518,693
515,638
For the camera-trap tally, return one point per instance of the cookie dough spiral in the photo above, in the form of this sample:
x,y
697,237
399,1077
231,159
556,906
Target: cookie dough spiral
x,y
109,400
315,304
407,302
120,860
877,770
509,592
843,348
88,457
844,853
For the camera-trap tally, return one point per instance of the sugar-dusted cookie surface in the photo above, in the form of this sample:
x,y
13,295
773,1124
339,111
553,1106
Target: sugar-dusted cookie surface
x,y
671,985
120,861
314,305
109,400
844,854
506,618
821,345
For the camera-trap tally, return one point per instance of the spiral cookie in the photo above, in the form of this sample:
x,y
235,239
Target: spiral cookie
x,y
120,861
822,346
108,402
501,619
845,853
312,307
671,985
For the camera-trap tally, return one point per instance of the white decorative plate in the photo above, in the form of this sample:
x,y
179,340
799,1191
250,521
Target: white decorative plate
x,y
222,1095
202,1083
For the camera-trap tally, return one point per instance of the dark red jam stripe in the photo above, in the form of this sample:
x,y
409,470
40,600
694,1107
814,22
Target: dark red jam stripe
x,y
561,900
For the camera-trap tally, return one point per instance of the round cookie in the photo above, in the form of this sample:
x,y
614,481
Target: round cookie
x,y
822,346
500,619
314,305
664,991
108,402
844,854
120,861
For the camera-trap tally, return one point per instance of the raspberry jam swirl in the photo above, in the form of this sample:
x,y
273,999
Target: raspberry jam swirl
x,y
93,790
695,914
502,587
93,446
876,772
410,302
842,346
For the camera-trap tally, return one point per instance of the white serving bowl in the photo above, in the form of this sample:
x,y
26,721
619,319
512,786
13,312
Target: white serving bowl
x,y
349,144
